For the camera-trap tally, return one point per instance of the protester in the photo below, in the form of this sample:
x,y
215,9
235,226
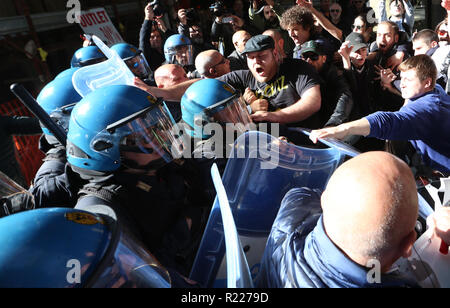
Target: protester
x,y
363,222
421,120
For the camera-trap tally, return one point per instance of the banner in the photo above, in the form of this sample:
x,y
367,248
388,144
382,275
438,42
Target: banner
x,y
97,22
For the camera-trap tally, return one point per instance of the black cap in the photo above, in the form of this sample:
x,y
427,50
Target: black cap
x,y
356,41
259,43
312,46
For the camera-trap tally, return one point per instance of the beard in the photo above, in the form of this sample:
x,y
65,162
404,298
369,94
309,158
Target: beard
x,y
197,40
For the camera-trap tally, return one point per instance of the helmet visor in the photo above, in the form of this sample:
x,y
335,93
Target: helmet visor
x,y
139,66
232,110
181,55
129,265
149,131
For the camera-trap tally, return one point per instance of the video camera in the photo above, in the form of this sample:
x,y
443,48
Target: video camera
x,y
218,8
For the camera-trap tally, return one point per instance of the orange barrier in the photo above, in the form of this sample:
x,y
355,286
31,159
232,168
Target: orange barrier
x,y
27,152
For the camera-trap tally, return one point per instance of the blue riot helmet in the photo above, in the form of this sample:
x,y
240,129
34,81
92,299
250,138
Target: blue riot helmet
x,y
120,125
178,50
212,101
68,71
68,248
57,98
87,56
134,59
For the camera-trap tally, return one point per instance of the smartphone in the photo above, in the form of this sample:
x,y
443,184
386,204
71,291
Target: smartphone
x,y
227,20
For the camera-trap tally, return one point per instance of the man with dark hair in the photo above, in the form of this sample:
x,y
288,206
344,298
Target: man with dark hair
x,y
292,88
336,96
152,38
427,42
299,23
402,13
270,18
387,53
194,32
422,119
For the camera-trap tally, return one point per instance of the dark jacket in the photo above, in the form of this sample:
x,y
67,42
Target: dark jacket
x,y
299,253
337,101
197,47
237,61
154,57
361,83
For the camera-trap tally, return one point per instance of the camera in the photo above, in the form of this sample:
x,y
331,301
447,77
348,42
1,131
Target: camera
x,y
158,8
258,5
218,8
191,16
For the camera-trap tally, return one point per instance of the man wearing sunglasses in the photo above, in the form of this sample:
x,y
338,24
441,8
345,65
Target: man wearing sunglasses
x,y
292,87
211,64
336,96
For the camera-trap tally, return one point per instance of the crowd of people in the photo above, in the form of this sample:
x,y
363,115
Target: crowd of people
x,y
337,69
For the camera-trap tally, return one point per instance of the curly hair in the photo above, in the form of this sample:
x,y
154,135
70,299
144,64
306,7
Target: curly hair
x,y
297,15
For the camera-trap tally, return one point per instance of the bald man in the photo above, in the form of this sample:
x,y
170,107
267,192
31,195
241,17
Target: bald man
x,y
211,64
169,75
369,211
237,60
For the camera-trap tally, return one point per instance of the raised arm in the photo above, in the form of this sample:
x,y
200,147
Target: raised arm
x,y
324,22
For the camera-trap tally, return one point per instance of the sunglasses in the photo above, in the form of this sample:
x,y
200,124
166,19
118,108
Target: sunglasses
x,y
358,1
221,62
335,11
312,56
356,27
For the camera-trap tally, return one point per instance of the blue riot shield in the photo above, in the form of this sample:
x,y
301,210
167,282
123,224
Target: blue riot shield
x,y
238,273
259,172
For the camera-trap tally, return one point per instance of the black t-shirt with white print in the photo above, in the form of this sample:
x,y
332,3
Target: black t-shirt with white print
x,y
294,77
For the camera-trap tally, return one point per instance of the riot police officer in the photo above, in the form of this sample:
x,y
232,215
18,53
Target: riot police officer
x,y
120,140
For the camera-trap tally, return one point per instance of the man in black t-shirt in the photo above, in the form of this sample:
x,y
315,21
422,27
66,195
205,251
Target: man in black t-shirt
x,y
291,88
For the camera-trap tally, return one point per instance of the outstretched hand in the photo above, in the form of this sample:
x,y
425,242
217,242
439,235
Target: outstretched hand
x,y
143,86
439,222
337,132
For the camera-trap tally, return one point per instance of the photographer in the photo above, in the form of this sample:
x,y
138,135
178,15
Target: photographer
x,y
189,27
225,25
265,15
152,36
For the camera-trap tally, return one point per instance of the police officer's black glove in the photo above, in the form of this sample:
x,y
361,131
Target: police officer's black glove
x,y
16,203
